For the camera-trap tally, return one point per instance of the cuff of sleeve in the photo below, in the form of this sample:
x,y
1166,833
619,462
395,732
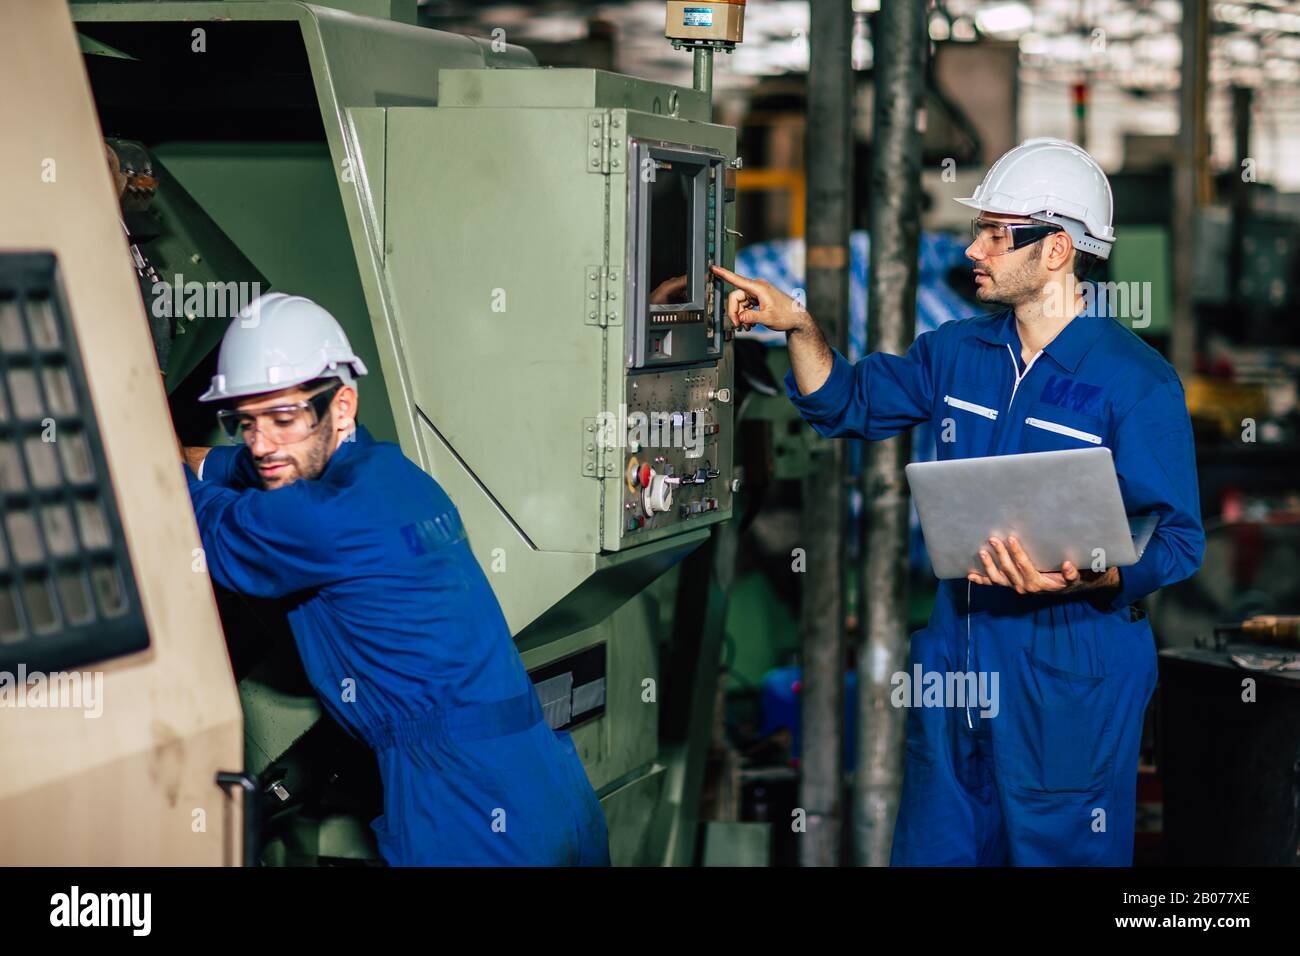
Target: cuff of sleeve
x,y
1136,582
218,463
829,400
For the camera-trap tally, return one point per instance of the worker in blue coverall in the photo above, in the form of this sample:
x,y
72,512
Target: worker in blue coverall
x,y
399,632
1050,777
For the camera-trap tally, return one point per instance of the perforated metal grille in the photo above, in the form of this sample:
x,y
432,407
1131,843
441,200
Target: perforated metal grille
x,y
67,591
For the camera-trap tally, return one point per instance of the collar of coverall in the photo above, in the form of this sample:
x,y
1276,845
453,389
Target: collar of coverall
x,y
1067,349
349,447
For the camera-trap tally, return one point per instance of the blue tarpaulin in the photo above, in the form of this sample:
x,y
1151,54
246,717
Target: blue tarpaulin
x,y
781,262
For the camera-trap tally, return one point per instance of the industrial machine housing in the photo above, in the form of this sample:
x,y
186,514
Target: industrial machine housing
x,y
486,231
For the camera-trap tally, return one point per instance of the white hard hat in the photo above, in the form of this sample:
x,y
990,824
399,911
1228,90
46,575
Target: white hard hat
x,y
1056,182
278,341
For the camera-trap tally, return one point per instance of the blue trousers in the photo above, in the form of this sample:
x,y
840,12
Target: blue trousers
x,y
1047,777
486,785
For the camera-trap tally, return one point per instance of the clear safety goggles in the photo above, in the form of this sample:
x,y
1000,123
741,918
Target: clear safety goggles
x,y
998,238
281,424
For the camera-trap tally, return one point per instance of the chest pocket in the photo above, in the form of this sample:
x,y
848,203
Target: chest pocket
x,y
1052,428
965,420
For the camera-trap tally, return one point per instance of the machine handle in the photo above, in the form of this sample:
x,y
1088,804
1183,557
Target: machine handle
x,y
251,806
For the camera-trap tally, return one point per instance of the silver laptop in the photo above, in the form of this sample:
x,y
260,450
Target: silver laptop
x,y
1060,505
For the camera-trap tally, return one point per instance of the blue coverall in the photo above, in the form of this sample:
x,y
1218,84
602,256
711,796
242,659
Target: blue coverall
x,y
1051,778
404,641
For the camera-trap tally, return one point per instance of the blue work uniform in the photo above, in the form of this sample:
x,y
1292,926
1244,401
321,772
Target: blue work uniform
x,y
404,641
1050,778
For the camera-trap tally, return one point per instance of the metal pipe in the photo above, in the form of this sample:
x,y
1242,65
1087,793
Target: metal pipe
x,y
1191,183
703,64
829,161
1242,98
901,42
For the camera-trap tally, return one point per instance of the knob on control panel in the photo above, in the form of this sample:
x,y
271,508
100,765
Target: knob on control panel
x,y
658,494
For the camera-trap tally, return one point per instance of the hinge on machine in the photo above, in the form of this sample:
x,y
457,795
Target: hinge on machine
x,y
598,143
597,438
602,303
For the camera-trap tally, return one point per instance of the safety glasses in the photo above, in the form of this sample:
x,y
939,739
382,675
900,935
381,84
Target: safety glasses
x,y
282,424
998,238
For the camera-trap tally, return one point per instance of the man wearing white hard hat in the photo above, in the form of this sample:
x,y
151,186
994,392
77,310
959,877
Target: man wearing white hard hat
x,y
398,629
1051,778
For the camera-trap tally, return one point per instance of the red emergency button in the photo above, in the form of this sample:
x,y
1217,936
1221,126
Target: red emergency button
x,y
643,476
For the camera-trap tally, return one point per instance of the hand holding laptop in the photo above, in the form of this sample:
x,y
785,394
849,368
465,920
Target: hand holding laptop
x,y
1008,565
1039,522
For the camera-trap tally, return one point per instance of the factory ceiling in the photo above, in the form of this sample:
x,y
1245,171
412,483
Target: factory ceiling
x,y
1128,44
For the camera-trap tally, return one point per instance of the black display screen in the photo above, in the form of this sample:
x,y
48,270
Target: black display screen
x,y
669,234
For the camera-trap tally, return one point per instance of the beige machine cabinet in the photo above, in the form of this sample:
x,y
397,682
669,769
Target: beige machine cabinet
x,y
105,607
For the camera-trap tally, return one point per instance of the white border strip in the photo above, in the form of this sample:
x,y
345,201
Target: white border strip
x,y
990,413
1063,430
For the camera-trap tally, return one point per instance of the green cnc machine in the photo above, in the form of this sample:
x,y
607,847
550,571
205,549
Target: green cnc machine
x,y
520,256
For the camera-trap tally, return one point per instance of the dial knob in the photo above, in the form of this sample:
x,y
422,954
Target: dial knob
x,y
658,494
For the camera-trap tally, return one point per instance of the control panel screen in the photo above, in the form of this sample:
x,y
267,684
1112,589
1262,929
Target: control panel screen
x,y
670,231
674,232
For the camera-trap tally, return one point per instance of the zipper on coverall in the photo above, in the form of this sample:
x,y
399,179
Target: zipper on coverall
x,y
1020,377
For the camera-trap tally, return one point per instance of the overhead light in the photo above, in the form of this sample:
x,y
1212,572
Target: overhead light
x,y
1170,10
1005,18
1241,49
862,54
963,28
1286,71
1159,49
1035,44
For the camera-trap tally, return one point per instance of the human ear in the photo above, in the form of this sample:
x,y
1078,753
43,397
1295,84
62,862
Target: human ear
x,y
1061,253
345,407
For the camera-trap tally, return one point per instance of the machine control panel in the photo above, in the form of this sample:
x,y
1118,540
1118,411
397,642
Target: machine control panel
x,y
677,451
675,428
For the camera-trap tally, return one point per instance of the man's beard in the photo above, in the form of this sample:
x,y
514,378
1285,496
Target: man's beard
x,y
308,464
1012,286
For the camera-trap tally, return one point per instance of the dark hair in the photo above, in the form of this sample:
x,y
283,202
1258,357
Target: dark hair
x,y
1084,263
324,382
